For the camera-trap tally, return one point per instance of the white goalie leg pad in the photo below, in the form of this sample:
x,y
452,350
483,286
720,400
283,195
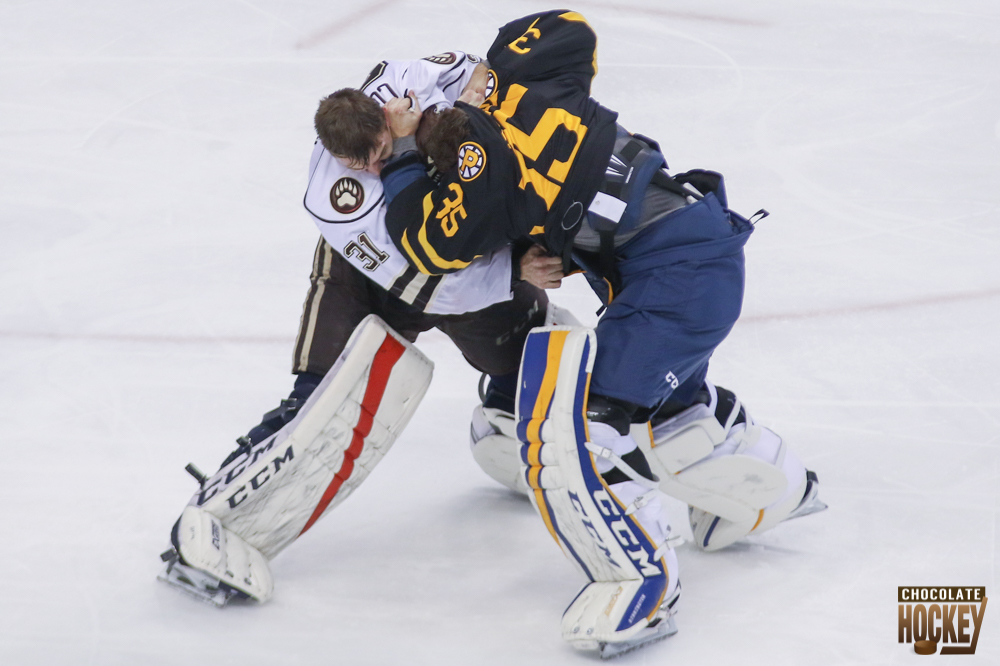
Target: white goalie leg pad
x,y
284,484
632,575
205,545
495,447
493,433
560,316
738,477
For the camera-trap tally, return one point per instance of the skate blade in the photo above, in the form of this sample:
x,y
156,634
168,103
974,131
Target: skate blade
x,y
813,506
665,629
197,584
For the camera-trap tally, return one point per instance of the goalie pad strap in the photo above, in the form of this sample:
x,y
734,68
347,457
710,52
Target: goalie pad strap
x,y
631,466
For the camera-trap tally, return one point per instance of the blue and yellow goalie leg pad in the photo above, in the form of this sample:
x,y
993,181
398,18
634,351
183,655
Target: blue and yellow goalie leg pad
x,y
627,585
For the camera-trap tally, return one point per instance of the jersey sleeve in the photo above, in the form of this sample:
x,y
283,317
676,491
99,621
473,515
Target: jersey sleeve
x,y
444,227
545,46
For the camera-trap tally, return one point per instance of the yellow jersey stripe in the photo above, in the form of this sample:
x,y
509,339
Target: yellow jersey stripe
x,y
413,255
429,250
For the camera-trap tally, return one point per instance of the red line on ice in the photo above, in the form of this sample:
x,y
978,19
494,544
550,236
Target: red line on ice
x,y
942,299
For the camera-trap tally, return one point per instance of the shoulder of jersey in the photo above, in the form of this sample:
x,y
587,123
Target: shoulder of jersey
x,y
393,71
451,58
377,72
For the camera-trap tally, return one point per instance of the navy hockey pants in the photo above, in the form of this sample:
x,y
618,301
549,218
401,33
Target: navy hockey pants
x,y
681,293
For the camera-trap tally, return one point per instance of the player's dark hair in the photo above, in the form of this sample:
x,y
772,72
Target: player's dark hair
x,y
348,124
444,138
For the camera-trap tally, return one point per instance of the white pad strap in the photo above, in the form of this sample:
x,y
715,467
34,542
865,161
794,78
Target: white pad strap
x,y
284,484
624,467
640,501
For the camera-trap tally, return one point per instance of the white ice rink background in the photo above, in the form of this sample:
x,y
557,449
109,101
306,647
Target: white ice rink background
x,y
155,257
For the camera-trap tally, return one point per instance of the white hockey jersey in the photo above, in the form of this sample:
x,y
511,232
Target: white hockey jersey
x,y
348,205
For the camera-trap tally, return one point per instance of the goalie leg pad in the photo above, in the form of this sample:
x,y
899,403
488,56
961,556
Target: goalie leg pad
x,y
493,433
495,447
631,574
284,484
738,477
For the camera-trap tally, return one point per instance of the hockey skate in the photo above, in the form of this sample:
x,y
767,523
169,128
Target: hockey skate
x,y
811,503
662,626
712,532
197,584
212,563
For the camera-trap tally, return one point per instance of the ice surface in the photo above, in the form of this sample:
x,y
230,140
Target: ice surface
x,y
155,258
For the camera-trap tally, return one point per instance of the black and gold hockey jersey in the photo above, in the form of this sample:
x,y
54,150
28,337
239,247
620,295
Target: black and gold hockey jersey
x,y
534,159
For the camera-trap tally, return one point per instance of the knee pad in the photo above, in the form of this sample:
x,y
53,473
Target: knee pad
x,y
737,476
495,447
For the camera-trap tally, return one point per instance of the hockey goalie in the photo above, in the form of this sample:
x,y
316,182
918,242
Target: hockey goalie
x,y
596,481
